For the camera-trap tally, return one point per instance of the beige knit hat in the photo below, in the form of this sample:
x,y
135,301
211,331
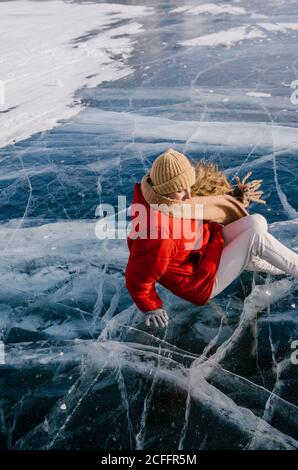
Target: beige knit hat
x,y
172,172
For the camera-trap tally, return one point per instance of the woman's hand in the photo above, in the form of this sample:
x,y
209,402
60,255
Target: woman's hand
x,y
158,317
247,192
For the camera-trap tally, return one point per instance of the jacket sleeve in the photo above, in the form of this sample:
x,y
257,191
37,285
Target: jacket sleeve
x,y
221,209
148,261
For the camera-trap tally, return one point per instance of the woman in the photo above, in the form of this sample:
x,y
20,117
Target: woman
x,y
230,240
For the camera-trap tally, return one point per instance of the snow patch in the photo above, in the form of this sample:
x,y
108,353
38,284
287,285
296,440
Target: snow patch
x,y
210,8
60,48
226,38
258,94
279,27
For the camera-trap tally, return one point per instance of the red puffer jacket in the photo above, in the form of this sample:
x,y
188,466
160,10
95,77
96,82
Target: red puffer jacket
x,y
188,273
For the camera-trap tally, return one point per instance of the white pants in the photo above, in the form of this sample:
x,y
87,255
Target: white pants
x,y
249,246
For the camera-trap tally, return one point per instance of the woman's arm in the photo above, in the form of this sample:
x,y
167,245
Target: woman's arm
x,y
148,261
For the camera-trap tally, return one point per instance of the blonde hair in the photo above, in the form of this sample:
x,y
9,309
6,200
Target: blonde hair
x,y
210,181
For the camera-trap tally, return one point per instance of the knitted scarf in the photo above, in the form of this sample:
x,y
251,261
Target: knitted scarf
x,y
223,209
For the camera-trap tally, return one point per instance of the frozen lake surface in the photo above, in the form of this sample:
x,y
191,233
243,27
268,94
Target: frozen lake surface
x,y
93,92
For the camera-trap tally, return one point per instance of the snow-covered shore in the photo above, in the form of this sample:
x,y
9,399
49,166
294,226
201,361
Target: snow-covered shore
x,y
48,50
